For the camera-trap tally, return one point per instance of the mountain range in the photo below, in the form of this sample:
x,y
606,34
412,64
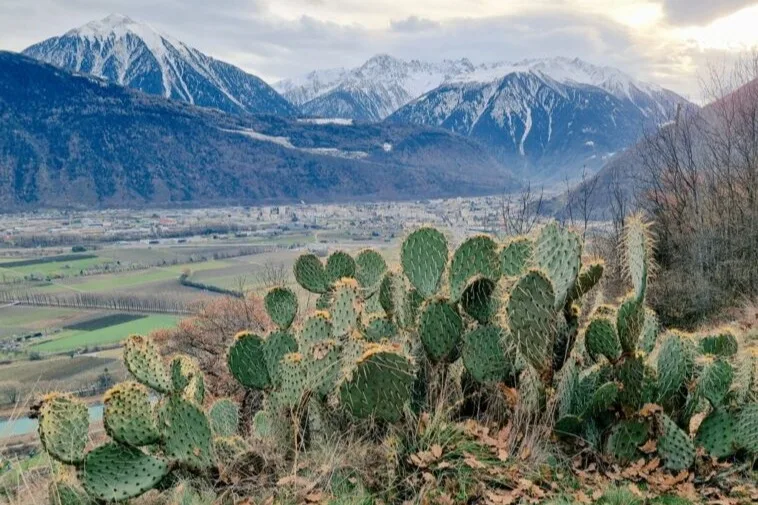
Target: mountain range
x,y
544,118
135,55
71,140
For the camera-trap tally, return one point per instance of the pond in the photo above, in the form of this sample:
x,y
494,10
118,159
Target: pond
x,y
24,425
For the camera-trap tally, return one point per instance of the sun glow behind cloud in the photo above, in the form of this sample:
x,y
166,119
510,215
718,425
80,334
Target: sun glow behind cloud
x,y
736,32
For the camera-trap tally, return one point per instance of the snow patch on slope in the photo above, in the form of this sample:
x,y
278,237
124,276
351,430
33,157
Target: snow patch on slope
x,y
285,142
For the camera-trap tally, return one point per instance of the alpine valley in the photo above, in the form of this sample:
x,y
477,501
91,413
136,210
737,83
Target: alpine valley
x,y
194,130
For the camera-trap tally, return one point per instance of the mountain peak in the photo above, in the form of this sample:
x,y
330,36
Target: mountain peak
x,y
132,53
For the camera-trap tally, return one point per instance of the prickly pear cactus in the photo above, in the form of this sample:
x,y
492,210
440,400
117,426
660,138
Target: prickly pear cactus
x,y
625,439
558,252
247,361
281,306
476,257
531,317
186,433
369,271
346,308
747,428
440,330
276,345
717,434
637,249
339,265
488,355
601,339
63,427
378,385
479,300
674,366
310,274
144,362
114,472
515,256
224,417
723,344
674,446
128,415
423,257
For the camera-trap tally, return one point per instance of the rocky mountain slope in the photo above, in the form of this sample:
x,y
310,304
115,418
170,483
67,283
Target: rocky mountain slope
x,y
135,55
76,141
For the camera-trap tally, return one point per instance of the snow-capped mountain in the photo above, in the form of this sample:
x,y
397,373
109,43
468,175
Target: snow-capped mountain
x,y
546,119
383,84
370,92
135,55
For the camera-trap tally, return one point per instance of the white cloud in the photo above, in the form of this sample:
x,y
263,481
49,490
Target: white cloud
x,y
660,40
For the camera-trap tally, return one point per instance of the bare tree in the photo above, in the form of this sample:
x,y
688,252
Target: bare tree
x,y
272,275
521,212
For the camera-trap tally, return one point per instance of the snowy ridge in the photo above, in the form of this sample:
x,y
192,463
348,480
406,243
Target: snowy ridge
x,y
134,54
383,84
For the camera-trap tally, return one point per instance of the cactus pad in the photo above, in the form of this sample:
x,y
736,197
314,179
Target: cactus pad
x,y
380,328
195,391
717,434
476,257
514,257
294,381
650,329
316,328
339,265
63,427
440,330
631,374
346,309
370,270
182,368
588,278
424,256
478,300
674,446
714,381
569,425
486,355
275,346
379,385
310,274
674,366
532,319
281,306
747,428
247,361
263,424
114,472
637,251
603,398
723,344
144,362
128,415
625,439
224,417
558,252
322,366
601,339
629,323
186,433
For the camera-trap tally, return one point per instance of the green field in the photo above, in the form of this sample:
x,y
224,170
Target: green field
x,y
73,339
55,268
56,368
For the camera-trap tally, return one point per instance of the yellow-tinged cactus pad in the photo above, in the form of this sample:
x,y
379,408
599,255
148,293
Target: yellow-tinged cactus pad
x,y
128,415
63,427
144,362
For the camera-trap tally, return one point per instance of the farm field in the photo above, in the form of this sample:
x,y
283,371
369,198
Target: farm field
x,y
69,340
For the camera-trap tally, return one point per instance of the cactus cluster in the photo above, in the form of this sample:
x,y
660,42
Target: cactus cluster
x,y
504,310
156,425
623,368
489,313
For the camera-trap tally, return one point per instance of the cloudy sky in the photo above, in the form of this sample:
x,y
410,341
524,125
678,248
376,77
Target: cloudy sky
x,y
664,41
